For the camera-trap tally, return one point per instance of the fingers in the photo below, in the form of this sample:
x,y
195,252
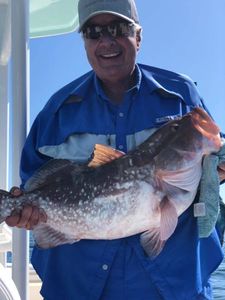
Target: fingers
x,y
13,219
27,218
221,174
221,171
15,191
33,216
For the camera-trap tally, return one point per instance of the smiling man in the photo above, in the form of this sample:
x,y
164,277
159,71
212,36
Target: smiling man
x,y
118,103
111,44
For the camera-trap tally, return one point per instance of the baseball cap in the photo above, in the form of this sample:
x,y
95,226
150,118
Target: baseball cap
x,y
125,9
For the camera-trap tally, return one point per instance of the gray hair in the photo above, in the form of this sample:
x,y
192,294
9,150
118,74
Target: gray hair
x,y
138,30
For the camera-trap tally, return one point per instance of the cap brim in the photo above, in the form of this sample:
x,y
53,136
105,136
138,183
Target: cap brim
x,y
104,12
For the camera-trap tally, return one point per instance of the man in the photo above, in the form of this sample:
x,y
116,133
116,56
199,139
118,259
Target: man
x,y
119,103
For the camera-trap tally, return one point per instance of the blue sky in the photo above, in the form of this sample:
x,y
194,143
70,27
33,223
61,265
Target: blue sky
x,y
182,36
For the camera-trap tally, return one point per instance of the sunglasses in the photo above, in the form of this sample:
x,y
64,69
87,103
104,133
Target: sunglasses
x,y
114,29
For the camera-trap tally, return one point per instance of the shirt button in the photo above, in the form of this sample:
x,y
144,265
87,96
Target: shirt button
x,y
105,267
121,114
121,147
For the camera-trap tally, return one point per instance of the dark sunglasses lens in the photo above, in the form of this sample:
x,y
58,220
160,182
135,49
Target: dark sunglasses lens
x,y
92,32
117,29
112,30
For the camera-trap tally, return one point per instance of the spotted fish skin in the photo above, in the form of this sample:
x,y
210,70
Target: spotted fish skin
x,y
143,191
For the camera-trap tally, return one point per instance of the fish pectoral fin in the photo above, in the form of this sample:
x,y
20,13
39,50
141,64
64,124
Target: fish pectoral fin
x,y
154,240
103,154
185,179
151,242
47,237
168,220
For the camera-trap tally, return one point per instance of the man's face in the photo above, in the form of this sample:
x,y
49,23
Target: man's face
x,y
112,59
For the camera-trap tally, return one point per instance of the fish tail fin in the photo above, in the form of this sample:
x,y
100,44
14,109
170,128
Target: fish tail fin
x,y
154,240
3,195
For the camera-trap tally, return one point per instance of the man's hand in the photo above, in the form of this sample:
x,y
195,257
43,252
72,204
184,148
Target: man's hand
x,y
221,171
28,217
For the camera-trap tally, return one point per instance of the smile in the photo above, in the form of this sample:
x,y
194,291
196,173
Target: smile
x,y
110,55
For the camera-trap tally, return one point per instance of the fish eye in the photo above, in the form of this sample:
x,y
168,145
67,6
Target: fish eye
x,y
175,127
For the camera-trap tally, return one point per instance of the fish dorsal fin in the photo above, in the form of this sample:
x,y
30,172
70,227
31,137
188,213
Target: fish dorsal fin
x,y
103,154
46,237
154,240
48,170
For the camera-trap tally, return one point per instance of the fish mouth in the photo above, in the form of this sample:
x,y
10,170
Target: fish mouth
x,y
206,126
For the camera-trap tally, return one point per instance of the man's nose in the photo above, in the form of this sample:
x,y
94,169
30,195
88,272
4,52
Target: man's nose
x,y
106,37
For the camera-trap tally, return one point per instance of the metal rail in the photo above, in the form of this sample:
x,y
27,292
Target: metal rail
x,y
20,100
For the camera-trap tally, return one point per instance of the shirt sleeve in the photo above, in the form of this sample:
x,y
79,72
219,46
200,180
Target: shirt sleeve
x,y
31,158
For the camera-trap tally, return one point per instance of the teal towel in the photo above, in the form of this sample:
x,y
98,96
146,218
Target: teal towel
x,y
209,199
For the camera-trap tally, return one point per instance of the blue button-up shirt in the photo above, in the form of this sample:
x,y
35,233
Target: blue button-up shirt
x,y
74,119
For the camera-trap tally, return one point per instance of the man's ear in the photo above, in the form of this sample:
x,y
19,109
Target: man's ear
x,y
138,38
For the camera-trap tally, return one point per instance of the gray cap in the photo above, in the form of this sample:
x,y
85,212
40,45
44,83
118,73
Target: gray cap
x,y
125,9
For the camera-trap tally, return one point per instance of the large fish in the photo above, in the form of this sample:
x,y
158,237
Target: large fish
x,y
120,195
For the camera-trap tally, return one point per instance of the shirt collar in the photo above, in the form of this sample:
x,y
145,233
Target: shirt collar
x,y
135,88
79,87
160,87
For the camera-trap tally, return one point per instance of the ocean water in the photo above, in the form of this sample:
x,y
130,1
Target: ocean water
x,y
218,281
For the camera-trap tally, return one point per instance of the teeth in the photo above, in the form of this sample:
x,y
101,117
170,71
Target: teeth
x,y
110,55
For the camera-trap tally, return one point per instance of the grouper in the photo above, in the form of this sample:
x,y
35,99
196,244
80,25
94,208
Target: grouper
x,y
117,195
